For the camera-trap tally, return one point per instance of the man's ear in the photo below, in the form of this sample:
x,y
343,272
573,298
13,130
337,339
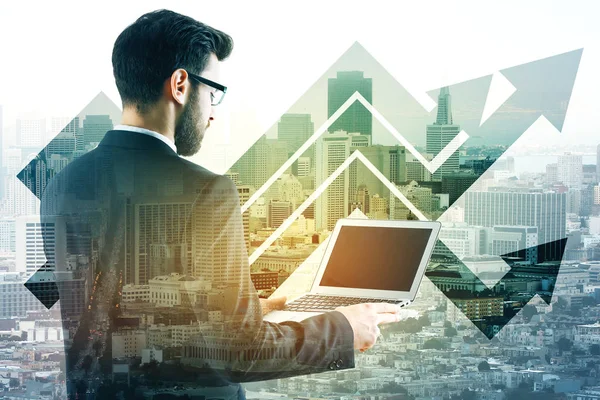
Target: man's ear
x,y
178,86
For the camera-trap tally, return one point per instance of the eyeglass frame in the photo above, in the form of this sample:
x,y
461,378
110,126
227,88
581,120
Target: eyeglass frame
x,y
210,83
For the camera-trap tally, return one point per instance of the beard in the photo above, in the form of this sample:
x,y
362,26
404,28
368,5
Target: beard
x,y
188,132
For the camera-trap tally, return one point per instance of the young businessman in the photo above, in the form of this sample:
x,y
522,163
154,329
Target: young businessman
x,y
157,220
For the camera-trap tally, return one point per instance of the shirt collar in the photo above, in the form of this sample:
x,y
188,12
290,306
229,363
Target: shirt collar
x,y
147,132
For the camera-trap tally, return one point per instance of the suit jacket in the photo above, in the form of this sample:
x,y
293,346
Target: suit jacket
x,y
149,253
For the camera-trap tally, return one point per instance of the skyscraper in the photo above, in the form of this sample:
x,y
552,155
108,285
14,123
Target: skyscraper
x,y
252,167
94,128
456,183
33,236
440,133
546,211
294,130
1,154
332,205
389,160
154,225
30,133
356,118
570,170
278,212
598,163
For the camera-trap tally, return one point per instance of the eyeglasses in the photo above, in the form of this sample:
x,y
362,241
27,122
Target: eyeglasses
x,y
215,97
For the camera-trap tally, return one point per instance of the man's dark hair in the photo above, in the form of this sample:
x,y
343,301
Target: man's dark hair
x,y
148,51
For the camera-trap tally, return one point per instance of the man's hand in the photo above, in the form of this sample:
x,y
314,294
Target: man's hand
x,y
365,320
268,305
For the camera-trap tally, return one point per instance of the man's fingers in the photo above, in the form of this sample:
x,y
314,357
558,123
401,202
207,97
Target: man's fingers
x,y
277,303
387,318
386,308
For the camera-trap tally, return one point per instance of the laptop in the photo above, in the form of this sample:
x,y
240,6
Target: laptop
x,y
366,261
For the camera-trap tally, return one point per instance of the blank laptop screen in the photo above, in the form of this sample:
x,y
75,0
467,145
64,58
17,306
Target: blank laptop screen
x,y
379,258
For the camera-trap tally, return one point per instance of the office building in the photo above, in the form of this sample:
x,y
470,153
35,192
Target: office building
x,y
441,132
546,211
277,212
462,240
332,151
31,133
94,129
456,183
294,130
356,118
40,244
513,239
570,170
157,234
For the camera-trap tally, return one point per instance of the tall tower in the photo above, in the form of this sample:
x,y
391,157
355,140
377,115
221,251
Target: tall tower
x,y
40,243
30,133
598,163
294,130
440,133
570,170
1,155
94,128
332,204
356,118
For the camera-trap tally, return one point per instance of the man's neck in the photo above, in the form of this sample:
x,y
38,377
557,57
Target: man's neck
x,y
150,121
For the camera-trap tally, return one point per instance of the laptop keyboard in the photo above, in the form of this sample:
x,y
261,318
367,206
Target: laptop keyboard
x,y
315,302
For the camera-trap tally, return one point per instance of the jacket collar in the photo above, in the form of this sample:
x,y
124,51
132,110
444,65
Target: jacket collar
x,y
135,140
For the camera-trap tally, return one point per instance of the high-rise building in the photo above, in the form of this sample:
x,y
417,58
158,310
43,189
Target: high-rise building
x,y
456,183
252,167
332,151
30,132
244,193
462,240
63,145
18,200
277,155
277,212
2,170
36,175
7,235
94,129
304,165
589,174
546,211
294,130
40,243
440,133
356,118
389,160
154,224
378,207
418,196
363,198
598,163
515,239
15,298
570,170
415,170
551,174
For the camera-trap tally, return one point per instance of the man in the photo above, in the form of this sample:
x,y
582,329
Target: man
x,y
159,242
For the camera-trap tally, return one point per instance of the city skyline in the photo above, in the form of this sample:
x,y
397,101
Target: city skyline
x,y
165,284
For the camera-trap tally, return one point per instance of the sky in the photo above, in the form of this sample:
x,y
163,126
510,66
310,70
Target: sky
x,y
56,56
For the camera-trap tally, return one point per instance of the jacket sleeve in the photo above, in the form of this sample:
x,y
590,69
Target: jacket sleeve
x,y
242,345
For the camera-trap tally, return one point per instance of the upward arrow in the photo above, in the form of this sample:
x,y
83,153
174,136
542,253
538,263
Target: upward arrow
x,y
491,309
543,87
